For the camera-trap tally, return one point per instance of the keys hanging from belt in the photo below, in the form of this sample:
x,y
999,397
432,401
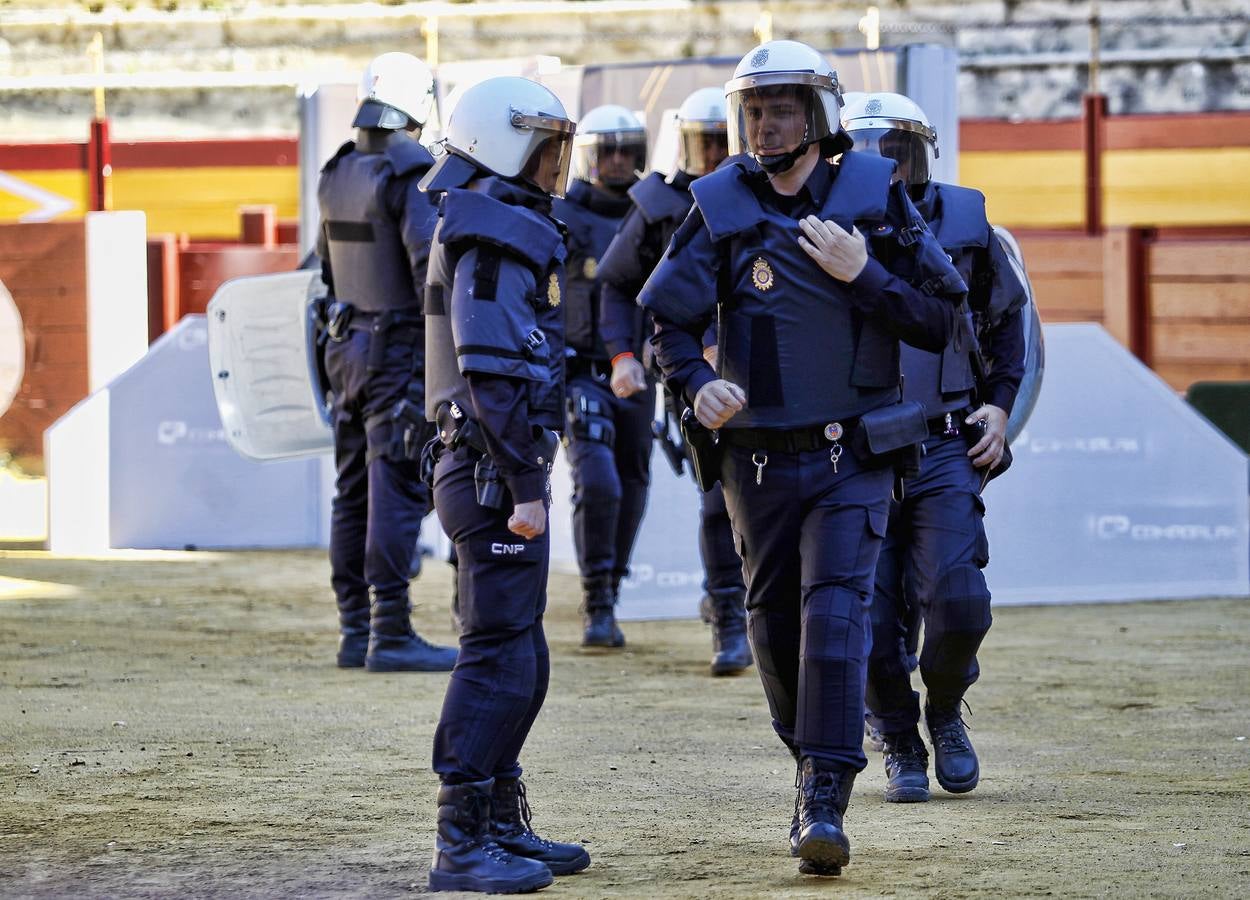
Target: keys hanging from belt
x,y
759,465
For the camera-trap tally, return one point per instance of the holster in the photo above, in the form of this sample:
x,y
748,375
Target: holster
x,y
704,448
891,436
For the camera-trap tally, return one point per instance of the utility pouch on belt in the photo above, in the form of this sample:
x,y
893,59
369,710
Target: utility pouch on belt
x,y
892,435
409,430
489,485
705,450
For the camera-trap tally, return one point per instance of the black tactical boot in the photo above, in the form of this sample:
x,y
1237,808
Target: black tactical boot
x,y
510,824
906,765
599,616
824,791
395,647
731,649
466,855
954,759
353,633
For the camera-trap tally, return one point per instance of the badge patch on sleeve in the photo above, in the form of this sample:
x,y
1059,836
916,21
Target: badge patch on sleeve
x,y
762,274
553,290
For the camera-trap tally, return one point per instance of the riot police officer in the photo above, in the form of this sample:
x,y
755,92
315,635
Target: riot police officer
x,y
659,205
935,548
804,397
495,350
373,244
608,435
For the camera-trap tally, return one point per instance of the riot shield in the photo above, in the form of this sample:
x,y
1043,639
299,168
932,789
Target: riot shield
x,y
1034,345
267,375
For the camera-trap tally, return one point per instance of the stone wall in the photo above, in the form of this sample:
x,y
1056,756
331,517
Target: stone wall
x,y
1019,58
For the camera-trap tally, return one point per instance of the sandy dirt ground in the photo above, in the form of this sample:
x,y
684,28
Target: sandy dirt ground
x,y
172,725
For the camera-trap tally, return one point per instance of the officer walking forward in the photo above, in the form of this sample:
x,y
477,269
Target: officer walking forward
x,y
608,434
494,342
935,548
374,241
660,205
810,317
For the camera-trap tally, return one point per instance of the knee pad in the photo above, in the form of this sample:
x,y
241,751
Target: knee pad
x,y
961,602
836,625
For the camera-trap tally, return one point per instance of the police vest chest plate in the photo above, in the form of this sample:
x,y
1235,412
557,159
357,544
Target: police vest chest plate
x,y
371,267
789,334
592,221
513,325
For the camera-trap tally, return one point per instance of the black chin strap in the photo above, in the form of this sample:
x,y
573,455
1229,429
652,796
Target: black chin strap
x,y
782,162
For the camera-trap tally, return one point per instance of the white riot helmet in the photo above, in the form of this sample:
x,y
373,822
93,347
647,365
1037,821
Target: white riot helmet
x,y
783,98
514,128
396,91
610,147
701,141
895,127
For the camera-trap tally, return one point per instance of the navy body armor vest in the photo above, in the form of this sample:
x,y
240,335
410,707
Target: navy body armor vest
x,y
592,219
371,267
788,333
503,262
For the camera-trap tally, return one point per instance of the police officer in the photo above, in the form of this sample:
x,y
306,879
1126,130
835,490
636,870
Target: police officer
x,y
373,244
810,318
494,342
608,434
659,205
935,547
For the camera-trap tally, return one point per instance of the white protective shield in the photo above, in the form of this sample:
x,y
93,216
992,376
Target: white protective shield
x,y
260,347
1034,344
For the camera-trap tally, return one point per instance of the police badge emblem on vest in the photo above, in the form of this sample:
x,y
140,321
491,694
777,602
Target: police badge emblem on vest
x,y
590,268
762,274
553,290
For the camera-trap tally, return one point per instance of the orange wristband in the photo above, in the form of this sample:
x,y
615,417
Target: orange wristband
x,y
620,356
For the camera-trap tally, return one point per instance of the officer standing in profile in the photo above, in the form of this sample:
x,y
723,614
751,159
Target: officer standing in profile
x,y
810,316
660,205
495,350
373,244
935,549
608,435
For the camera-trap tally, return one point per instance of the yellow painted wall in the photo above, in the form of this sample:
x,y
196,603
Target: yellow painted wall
x,y
204,202
67,183
1028,189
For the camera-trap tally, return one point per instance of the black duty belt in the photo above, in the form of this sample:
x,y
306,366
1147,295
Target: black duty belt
x,y
791,440
948,425
599,369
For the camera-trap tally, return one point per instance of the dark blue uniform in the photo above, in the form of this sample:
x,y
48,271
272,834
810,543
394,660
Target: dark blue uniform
x,y
660,206
495,352
608,437
812,355
374,242
935,548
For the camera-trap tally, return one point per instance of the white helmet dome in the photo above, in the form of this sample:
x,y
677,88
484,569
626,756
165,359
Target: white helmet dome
x,y
701,125
396,91
514,128
610,147
894,126
800,76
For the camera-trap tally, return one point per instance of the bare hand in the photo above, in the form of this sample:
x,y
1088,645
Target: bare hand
x,y
628,377
717,401
711,355
989,450
841,254
529,519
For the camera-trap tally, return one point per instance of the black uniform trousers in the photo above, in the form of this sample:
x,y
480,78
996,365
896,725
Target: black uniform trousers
x,y
809,538
722,567
500,679
610,482
934,551
379,502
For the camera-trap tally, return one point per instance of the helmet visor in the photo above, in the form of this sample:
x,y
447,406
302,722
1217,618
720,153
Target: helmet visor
x,y
702,146
611,158
912,152
771,119
547,166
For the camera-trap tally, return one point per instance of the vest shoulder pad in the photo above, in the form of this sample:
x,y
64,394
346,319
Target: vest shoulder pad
x,y
520,232
407,157
449,171
338,154
861,191
657,200
963,217
726,202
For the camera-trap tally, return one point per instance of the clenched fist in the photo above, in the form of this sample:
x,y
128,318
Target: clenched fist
x,y
717,401
628,377
529,520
